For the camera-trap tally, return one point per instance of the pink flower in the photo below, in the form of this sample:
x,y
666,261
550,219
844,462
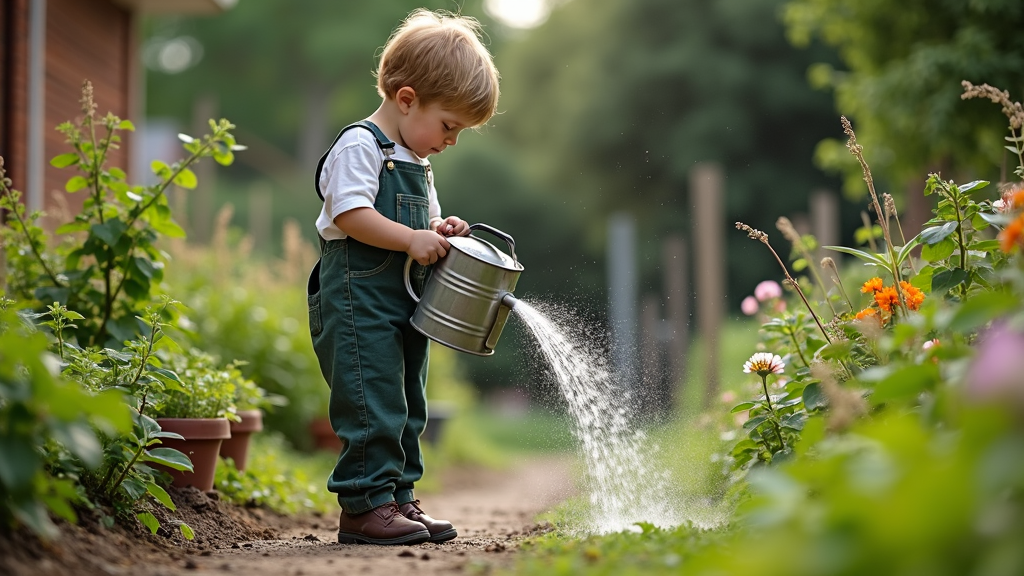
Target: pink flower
x,y
997,371
930,343
749,306
767,290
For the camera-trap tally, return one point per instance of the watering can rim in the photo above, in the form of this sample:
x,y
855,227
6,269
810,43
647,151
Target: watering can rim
x,y
503,260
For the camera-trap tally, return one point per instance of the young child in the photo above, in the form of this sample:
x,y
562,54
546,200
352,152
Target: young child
x,y
436,79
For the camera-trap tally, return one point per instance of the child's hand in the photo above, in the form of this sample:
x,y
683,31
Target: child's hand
x,y
426,247
453,226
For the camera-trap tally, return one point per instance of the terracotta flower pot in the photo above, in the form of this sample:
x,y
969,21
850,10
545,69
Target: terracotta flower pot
x,y
324,437
203,437
237,447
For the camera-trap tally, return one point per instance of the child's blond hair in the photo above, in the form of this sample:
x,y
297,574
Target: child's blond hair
x,y
441,57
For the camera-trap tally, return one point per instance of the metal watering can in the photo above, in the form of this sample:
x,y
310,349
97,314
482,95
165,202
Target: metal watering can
x,y
468,294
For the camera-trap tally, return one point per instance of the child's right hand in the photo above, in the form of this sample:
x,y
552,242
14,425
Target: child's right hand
x,y
427,246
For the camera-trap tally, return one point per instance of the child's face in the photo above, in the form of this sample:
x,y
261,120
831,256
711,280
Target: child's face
x,y
430,129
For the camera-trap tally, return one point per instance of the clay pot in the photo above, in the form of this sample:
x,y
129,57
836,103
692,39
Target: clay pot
x,y
203,437
237,447
324,437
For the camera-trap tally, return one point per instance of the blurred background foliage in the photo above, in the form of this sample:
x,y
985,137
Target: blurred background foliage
x,y
606,106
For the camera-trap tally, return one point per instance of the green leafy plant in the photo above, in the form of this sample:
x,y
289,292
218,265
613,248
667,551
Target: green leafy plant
x,y
110,265
206,390
126,478
38,409
107,319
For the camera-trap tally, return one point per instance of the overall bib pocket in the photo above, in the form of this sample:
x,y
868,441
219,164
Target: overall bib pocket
x,y
413,212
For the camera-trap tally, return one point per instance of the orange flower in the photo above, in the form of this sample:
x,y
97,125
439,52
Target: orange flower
x,y
870,313
1018,198
865,313
912,295
1011,234
887,298
873,285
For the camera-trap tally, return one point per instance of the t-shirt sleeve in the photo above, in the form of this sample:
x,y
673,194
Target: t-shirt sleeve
x,y
351,176
435,206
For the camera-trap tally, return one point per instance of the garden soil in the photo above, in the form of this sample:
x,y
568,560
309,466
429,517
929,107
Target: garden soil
x,y
493,511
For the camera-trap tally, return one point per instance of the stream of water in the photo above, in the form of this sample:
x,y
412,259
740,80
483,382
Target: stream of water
x,y
624,483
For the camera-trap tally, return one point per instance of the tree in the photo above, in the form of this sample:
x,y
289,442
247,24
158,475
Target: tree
x,y
901,84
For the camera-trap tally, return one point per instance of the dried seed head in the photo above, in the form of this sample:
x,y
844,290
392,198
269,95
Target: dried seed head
x,y
88,102
855,149
1012,110
752,233
788,230
889,205
829,264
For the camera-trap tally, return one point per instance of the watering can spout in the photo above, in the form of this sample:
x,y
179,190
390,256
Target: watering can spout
x,y
509,300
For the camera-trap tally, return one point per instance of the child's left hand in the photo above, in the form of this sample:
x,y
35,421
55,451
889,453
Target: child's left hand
x,y
453,226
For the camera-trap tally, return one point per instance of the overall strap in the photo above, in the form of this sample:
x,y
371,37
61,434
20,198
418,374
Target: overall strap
x,y
386,146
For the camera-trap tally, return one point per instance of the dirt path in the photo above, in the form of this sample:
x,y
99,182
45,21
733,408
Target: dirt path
x,y
493,512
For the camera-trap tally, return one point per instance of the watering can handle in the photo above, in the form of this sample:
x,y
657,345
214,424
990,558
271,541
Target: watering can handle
x,y
408,284
508,239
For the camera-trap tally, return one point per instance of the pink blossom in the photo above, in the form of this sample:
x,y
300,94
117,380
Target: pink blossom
x,y
767,290
749,306
997,371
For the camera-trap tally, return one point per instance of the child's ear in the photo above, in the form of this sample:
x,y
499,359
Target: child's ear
x,y
405,97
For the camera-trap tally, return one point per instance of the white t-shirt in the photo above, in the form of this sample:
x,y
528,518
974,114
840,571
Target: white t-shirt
x,y
349,178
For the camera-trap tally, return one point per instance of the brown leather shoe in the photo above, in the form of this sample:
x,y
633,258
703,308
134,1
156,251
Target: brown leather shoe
x,y
440,530
384,524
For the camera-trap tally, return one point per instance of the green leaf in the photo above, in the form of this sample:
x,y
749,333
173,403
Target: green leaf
x,y
973,186
76,226
981,309
923,280
126,125
168,457
903,252
149,521
799,265
936,234
60,507
33,514
985,246
224,158
742,407
866,256
160,495
814,397
118,173
110,231
905,383
754,422
161,169
18,462
168,228
794,421
943,281
65,160
186,179
939,251
76,183
186,531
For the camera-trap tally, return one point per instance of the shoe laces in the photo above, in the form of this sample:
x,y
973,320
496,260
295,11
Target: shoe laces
x,y
390,510
415,507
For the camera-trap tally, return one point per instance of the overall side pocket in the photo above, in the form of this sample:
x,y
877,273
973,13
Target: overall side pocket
x,y
313,301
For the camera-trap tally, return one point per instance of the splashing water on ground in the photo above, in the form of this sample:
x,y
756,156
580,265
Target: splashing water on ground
x,y
623,482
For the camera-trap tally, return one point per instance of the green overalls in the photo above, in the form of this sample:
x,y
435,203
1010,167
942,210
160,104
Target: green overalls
x,y
374,362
